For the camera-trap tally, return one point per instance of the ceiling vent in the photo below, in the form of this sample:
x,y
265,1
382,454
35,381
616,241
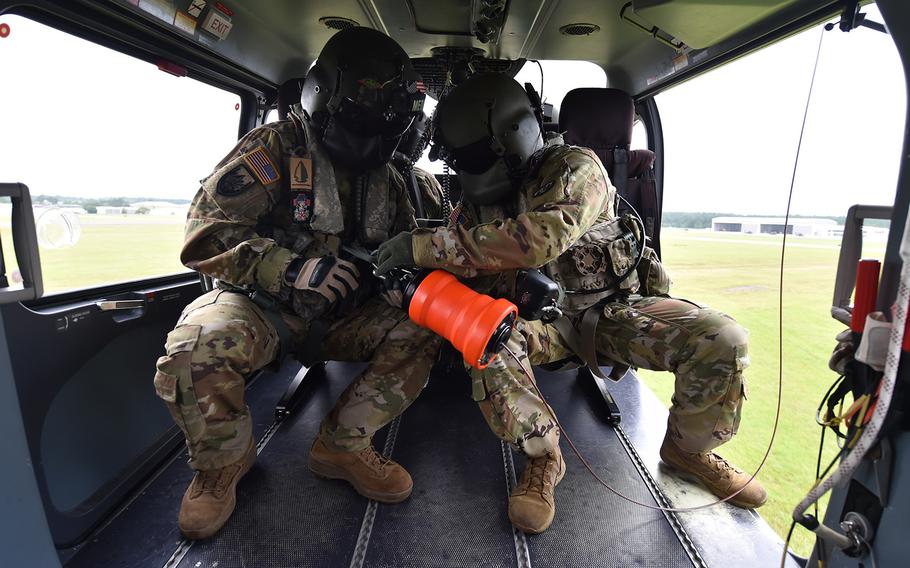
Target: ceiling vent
x,y
337,23
579,29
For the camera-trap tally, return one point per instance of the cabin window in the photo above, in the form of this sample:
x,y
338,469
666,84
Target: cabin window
x,y
730,140
271,116
639,136
112,150
559,77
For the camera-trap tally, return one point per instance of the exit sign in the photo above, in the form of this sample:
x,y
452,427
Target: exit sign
x,y
217,23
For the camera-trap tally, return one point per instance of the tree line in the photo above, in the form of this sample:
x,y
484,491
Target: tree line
x,y
682,220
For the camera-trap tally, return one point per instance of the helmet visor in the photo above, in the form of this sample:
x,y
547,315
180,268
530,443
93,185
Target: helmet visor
x,y
380,109
475,158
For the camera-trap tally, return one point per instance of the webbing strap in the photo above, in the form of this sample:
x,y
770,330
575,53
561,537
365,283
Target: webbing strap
x,y
582,344
410,180
269,306
621,170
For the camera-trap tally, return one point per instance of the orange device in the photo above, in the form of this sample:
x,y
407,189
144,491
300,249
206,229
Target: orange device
x,y
475,324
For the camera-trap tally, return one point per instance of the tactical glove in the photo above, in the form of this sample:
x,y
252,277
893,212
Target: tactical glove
x,y
329,276
397,251
843,353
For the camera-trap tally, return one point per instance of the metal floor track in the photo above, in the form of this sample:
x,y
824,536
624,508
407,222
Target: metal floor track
x,y
456,516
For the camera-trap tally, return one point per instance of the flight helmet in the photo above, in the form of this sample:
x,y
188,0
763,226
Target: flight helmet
x,y
487,129
361,96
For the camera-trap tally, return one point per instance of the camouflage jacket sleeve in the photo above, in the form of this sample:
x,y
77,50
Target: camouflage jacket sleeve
x,y
221,239
430,192
404,212
566,197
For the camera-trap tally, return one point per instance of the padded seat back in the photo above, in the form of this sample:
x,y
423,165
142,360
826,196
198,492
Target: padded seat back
x,y
602,119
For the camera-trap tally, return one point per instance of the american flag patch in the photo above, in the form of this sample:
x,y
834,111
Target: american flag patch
x,y
420,87
455,217
259,162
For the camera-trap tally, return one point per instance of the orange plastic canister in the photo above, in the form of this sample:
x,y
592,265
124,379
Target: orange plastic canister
x,y
466,318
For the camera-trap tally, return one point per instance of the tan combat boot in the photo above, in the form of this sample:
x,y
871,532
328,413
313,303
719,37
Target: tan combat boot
x,y
211,496
372,475
717,474
532,504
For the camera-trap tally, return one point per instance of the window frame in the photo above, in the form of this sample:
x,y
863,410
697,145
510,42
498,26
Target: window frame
x,y
146,41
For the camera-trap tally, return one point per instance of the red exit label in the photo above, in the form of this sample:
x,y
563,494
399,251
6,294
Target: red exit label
x,y
218,24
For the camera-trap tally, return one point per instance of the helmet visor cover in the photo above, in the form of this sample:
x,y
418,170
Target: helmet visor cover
x,y
487,128
365,80
375,108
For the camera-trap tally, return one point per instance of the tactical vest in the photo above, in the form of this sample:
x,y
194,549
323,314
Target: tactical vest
x,y
313,216
371,197
600,264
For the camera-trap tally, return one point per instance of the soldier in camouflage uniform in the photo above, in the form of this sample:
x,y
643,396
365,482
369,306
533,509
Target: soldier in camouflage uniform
x,y
525,206
273,218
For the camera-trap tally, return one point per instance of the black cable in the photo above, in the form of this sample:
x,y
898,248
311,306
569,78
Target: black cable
x,y
783,557
819,544
541,79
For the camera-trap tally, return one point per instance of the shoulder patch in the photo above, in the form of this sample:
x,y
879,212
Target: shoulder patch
x,y
301,173
235,181
262,166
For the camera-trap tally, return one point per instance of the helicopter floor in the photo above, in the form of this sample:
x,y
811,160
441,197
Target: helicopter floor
x,y
456,515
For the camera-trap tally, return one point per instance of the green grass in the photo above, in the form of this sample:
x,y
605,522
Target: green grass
x,y
739,275
111,249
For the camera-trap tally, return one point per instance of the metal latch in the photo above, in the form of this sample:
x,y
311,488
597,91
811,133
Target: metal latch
x,y
108,305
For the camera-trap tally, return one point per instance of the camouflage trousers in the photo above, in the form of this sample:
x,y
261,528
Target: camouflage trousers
x,y
705,349
223,337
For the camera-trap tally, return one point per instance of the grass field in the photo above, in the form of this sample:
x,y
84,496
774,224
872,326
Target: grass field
x,y
737,274
112,248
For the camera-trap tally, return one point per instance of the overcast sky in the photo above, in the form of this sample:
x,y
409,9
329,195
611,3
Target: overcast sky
x,y
86,121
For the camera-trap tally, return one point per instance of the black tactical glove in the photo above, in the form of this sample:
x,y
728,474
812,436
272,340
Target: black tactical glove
x,y
397,251
329,276
843,353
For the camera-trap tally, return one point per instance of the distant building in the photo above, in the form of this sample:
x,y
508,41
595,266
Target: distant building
x,y
162,208
775,226
111,210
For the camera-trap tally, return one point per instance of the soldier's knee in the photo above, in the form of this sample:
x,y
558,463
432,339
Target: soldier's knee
x,y
174,383
722,347
733,338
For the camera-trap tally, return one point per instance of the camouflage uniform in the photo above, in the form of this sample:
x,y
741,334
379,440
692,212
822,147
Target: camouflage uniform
x,y
569,193
244,227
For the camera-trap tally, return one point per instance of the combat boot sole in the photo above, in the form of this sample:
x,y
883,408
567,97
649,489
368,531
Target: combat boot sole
x,y
249,459
332,471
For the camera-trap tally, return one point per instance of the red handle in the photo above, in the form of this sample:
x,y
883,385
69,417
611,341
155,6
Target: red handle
x,y
866,293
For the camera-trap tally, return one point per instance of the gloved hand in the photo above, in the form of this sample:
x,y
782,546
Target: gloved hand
x,y
391,289
843,352
329,276
397,251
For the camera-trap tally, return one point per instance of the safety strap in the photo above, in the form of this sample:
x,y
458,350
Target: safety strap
x,y
621,170
583,343
410,180
269,306
310,351
650,208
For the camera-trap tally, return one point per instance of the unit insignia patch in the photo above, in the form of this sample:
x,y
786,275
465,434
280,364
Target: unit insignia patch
x,y
235,181
302,206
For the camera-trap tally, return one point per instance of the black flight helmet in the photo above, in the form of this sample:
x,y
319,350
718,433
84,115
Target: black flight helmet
x,y
361,96
487,129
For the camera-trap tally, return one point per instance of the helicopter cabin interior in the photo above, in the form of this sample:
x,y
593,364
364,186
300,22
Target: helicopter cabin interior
x,y
93,465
